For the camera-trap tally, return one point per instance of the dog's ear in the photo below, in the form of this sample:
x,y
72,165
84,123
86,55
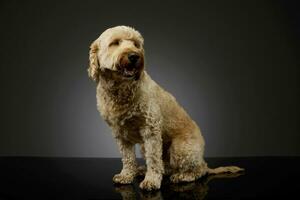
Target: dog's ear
x,y
93,70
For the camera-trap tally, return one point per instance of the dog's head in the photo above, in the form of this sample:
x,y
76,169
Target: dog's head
x,y
118,50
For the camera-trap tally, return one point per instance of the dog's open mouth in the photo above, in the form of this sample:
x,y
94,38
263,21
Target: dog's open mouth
x,y
130,65
129,71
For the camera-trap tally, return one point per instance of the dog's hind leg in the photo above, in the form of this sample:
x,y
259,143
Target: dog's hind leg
x,y
186,159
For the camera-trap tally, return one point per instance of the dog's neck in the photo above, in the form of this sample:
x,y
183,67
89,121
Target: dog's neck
x,y
119,90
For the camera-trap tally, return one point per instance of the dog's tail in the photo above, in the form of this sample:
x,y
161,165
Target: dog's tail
x,y
227,169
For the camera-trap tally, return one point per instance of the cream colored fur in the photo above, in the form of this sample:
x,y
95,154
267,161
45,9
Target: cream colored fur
x,y
139,111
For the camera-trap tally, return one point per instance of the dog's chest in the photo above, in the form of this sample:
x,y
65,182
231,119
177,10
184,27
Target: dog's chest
x,y
128,119
130,126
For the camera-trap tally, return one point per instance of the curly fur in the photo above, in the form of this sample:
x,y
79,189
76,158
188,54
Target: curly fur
x,y
139,111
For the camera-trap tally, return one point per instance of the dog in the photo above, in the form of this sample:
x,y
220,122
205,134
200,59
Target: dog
x,y
140,112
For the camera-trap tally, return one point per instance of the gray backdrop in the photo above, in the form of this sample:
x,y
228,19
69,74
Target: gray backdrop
x,y
233,65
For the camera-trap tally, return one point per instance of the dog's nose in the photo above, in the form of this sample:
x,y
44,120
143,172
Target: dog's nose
x,y
133,57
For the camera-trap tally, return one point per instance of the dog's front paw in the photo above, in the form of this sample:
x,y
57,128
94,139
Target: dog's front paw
x,y
150,183
123,178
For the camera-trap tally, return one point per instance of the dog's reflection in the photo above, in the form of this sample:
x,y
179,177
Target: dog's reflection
x,y
194,190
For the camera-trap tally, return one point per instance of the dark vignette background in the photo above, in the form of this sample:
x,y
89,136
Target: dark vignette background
x,y
234,66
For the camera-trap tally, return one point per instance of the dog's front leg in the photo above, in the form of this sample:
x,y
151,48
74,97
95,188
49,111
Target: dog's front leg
x,y
128,173
153,155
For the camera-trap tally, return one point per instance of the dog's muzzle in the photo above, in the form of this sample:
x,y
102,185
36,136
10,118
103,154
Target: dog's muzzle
x,y
131,64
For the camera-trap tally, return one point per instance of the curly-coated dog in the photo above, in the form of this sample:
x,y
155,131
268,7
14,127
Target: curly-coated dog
x,y
139,111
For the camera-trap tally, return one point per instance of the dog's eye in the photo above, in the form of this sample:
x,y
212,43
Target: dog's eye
x,y
137,45
115,43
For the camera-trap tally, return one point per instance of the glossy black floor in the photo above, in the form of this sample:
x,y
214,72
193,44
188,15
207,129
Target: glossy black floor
x,y
90,178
